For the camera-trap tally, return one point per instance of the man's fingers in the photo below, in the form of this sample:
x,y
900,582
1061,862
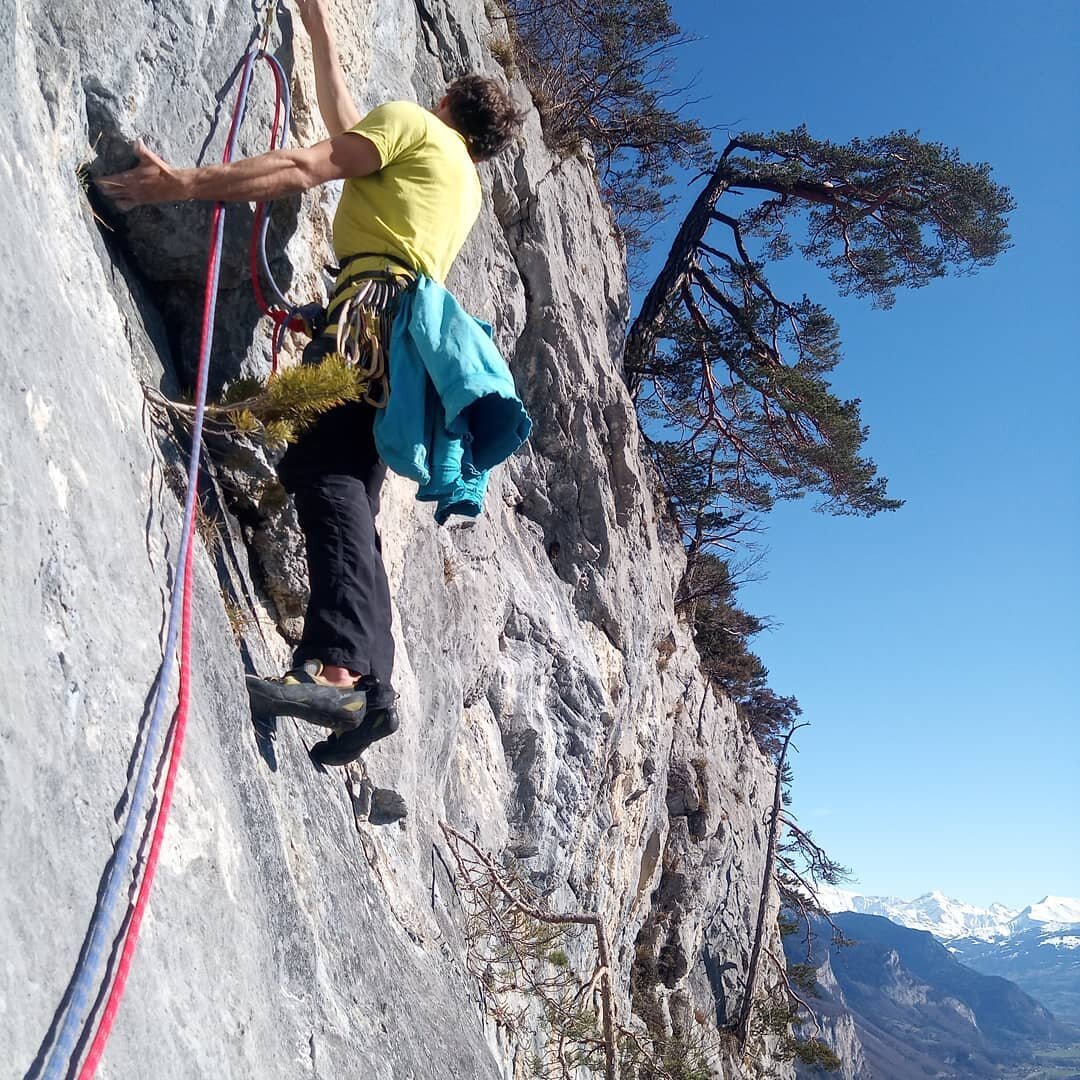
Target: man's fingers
x,y
147,156
110,186
116,193
118,190
151,181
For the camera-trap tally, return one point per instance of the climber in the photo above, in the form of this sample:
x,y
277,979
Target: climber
x,y
411,196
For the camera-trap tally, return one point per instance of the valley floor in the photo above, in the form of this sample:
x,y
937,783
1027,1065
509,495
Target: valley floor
x,y
1057,1063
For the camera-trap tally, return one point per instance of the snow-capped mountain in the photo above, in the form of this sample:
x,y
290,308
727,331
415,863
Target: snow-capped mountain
x,y
935,912
1037,947
1052,912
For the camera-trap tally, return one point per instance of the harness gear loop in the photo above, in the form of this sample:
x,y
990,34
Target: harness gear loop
x,y
363,319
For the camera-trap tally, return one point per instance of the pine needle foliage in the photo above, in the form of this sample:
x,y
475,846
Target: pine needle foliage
x,y
775,1019
241,390
814,1053
300,394
732,376
879,214
804,977
280,432
279,409
244,421
603,74
722,633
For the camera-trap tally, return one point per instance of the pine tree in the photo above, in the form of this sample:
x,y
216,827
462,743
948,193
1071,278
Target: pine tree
x,y
278,410
602,74
734,377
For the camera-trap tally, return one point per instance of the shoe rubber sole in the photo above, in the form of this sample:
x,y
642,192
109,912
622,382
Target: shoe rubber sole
x,y
345,747
325,706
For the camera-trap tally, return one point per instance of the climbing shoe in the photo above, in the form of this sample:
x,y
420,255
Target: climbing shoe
x,y
345,746
304,693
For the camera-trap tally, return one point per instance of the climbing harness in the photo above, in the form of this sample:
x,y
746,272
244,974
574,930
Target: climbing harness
x,y
358,320
75,1025
364,319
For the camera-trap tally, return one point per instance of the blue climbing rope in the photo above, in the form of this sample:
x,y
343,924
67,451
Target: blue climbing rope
x,y
59,1063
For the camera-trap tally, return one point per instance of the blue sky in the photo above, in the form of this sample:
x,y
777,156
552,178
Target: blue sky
x,y
935,650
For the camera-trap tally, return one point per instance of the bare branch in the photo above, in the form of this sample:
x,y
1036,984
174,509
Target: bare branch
x,y
743,1026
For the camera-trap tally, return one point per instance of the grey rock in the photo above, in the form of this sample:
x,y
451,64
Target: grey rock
x,y
550,696
387,806
683,794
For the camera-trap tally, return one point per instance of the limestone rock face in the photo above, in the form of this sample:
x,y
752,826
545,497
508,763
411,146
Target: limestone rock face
x,y
304,923
836,1028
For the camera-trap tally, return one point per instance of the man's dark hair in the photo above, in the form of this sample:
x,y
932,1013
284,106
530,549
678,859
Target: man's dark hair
x,y
482,110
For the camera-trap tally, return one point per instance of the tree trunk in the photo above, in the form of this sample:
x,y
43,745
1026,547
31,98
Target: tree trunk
x,y
743,1029
650,319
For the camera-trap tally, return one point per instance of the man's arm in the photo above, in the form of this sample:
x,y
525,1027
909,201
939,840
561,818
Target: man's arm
x,y
338,110
256,179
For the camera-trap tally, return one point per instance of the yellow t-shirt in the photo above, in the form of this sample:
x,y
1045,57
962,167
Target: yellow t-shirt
x,y
421,204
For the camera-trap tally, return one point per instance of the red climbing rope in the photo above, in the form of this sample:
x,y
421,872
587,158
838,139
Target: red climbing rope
x,y
284,318
175,749
175,740
76,1021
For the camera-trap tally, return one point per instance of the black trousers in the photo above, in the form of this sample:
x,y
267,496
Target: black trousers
x,y
334,474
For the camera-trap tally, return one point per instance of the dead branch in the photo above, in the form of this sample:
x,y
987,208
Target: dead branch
x,y
551,918
782,968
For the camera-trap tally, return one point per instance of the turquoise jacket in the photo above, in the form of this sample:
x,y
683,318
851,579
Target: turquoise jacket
x,y
453,412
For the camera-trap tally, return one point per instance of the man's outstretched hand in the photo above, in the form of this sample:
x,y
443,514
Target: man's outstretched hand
x,y
312,13
153,180
336,105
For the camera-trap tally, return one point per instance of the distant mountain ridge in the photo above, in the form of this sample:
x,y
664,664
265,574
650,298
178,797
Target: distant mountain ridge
x,y
934,912
1037,947
896,1003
